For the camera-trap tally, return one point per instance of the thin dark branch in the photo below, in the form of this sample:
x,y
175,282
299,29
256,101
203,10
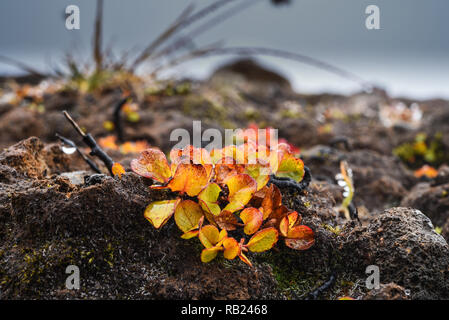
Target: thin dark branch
x,y
284,182
118,119
98,37
95,149
325,286
72,144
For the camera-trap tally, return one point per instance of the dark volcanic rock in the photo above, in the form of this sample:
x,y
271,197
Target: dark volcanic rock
x,y
404,245
432,200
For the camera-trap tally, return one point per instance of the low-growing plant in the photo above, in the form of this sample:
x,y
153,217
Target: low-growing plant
x,y
230,189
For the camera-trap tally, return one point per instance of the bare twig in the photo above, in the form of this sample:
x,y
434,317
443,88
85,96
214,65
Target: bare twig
x,y
23,66
251,51
188,38
181,23
95,149
162,37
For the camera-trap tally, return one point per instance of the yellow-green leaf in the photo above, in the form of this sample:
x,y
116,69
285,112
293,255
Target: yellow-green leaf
x,y
263,240
159,212
187,215
209,236
291,167
208,198
241,189
209,254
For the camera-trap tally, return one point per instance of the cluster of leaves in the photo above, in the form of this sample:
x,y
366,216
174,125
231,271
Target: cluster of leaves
x,y
423,150
229,188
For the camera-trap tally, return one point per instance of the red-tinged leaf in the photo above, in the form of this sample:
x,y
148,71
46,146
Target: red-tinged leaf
x,y
187,215
299,244
153,164
208,198
117,169
226,168
241,189
189,178
209,254
300,238
190,154
291,167
190,234
263,240
226,220
159,212
245,259
209,236
272,201
288,222
252,218
232,248
300,232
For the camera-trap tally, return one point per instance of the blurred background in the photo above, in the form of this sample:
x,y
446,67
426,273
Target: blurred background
x,y
408,56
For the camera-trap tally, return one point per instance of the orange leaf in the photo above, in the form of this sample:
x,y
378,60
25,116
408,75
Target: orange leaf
x,y
117,169
159,212
189,178
232,248
187,215
190,234
209,236
263,240
426,170
252,218
208,198
153,164
241,189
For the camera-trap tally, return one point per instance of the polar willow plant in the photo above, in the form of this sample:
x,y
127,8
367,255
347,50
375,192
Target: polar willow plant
x,y
227,194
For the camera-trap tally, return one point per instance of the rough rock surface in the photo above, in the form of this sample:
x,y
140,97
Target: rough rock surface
x,y
404,245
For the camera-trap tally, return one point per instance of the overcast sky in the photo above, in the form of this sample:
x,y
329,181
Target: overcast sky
x,y
409,55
